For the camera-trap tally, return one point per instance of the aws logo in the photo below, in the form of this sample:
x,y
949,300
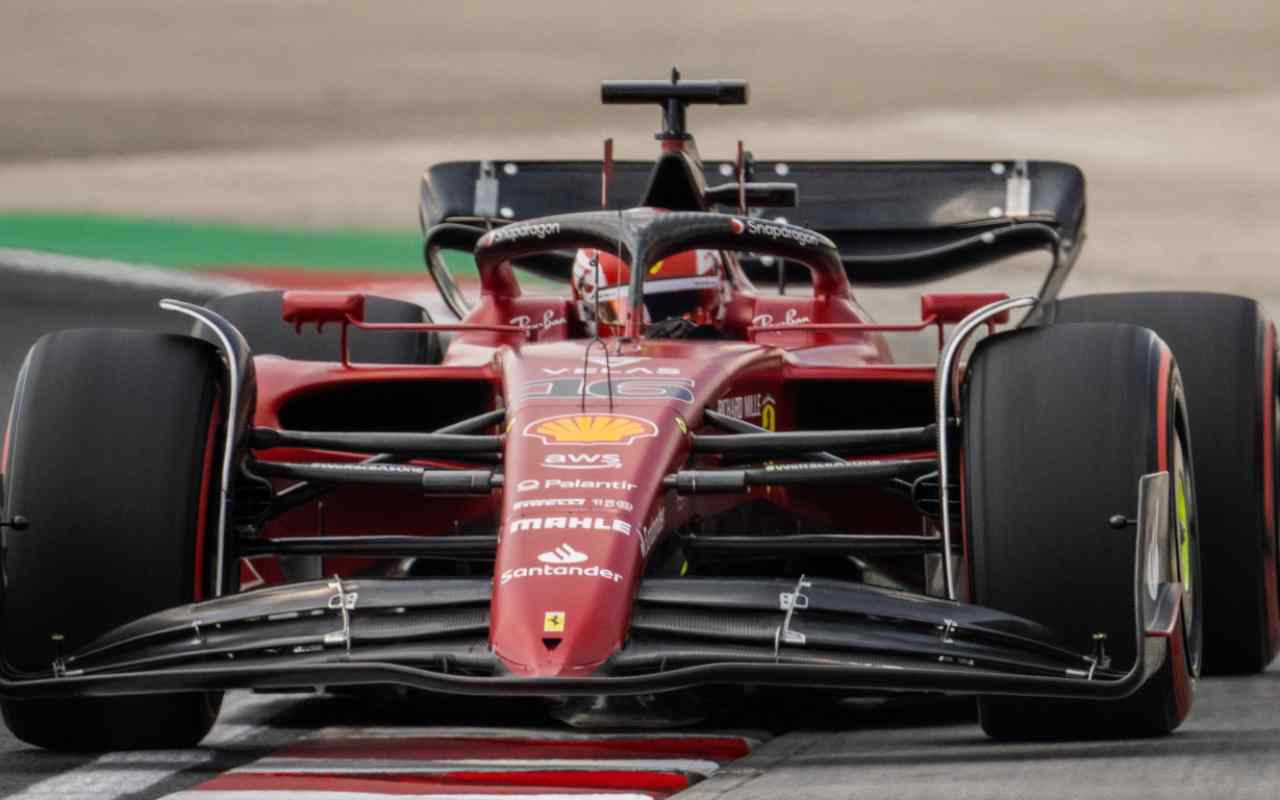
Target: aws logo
x,y
620,429
583,461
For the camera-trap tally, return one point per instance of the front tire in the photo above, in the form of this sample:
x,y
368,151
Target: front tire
x,y
113,458
1060,423
1226,348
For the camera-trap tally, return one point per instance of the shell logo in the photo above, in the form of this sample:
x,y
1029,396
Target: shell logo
x,y
591,429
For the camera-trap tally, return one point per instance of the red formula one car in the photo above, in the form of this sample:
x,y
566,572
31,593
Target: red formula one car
x,y
664,483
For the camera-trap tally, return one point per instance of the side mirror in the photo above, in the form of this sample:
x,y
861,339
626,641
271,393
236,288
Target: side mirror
x,y
299,308
950,308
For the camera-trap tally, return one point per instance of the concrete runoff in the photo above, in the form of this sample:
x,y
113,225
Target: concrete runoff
x,y
86,78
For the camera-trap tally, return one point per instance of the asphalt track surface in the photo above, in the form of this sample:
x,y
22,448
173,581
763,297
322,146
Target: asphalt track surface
x,y
902,749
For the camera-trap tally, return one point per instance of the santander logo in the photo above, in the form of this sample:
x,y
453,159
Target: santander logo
x,y
564,554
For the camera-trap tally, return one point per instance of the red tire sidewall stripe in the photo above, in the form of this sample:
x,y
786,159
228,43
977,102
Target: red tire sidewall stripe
x,y
1268,430
1182,688
4,448
1270,589
10,422
1177,655
1162,409
965,593
206,481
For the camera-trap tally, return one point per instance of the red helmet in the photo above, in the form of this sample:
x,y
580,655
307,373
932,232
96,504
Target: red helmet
x,y
688,285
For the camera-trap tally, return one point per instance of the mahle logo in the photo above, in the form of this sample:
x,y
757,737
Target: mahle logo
x,y
599,524
618,429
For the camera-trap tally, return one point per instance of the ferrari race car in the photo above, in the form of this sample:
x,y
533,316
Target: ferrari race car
x,y
697,471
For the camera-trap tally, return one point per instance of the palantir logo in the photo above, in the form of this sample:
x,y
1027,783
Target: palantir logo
x,y
564,554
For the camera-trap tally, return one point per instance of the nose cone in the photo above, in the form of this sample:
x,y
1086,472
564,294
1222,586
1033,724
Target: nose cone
x,y
564,609
579,488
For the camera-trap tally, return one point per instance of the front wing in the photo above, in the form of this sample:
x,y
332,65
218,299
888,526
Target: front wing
x,y
431,634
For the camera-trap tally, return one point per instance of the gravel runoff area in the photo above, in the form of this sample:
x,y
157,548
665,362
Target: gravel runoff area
x,y
294,113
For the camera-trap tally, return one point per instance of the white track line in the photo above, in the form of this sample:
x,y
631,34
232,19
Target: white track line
x,y
118,273
119,774
361,766
752,738
125,773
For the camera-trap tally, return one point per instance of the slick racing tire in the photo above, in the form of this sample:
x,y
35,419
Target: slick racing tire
x,y
257,315
1226,349
113,456
1060,423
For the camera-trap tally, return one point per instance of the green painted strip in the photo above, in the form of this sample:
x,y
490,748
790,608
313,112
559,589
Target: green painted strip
x,y
196,245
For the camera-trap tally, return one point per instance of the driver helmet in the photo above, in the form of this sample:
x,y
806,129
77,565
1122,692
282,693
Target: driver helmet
x,y
688,285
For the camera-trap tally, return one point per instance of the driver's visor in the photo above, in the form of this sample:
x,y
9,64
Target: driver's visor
x,y
665,299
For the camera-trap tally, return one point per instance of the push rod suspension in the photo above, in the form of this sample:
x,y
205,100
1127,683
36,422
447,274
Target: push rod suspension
x,y
814,473
800,442
441,481
413,445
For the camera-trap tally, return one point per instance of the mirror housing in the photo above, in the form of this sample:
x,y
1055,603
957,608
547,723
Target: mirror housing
x,y
299,308
948,308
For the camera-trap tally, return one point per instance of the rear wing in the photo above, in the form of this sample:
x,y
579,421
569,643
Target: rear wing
x,y
893,222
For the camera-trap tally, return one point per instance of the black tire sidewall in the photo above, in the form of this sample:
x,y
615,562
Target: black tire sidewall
x,y
110,461
1224,347
1051,539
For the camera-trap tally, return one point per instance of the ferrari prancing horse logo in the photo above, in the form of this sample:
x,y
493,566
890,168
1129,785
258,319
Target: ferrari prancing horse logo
x,y
553,622
591,429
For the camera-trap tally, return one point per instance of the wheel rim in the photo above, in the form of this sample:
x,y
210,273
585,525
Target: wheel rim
x,y
1185,545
